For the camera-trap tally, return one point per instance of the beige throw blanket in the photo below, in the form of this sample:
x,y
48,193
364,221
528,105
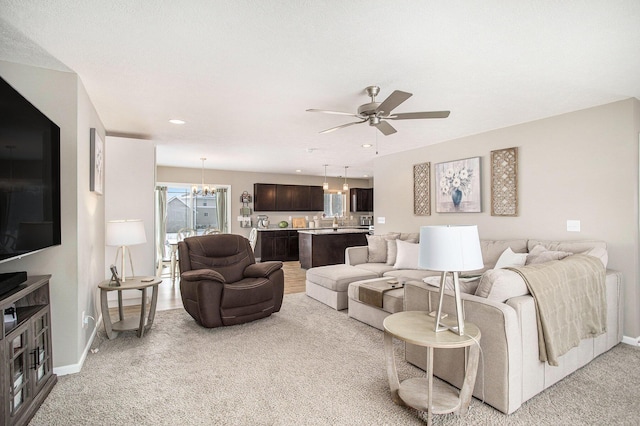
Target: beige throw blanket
x,y
372,293
570,301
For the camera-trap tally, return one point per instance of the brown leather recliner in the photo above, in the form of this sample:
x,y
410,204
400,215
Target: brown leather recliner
x,y
221,283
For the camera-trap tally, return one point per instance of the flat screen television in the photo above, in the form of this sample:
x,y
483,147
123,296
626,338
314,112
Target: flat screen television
x,y
29,177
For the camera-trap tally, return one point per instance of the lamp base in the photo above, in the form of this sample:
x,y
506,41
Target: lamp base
x,y
455,328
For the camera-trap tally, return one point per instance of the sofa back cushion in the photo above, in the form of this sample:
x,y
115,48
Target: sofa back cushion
x,y
595,248
408,254
493,249
501,285
377,248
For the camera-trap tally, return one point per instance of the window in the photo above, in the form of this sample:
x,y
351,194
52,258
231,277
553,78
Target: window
x,y
335,204
199,212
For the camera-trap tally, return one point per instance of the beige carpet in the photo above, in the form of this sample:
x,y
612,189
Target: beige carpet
x,y
306,365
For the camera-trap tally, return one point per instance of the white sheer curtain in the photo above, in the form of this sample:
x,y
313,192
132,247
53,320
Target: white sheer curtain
x,y
221,200
161,225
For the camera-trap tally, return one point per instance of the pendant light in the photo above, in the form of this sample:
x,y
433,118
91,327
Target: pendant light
x,y
205,188
325,185
345,185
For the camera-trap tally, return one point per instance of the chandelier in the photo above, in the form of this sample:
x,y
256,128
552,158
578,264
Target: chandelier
x,y
205,189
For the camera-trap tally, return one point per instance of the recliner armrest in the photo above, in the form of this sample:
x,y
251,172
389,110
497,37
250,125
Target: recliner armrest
x,y
260,270
202,274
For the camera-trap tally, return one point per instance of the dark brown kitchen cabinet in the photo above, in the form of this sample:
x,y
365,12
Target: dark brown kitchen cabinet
x,y
317,198
275,197
264,197
277,245
361,199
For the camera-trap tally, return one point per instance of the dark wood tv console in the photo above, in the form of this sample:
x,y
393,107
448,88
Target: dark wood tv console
x,y
26,376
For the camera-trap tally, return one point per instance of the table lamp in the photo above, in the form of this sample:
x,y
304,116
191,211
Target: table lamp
x,y
450,248
124,233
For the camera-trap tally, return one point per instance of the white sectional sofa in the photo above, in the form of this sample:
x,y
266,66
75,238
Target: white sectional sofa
x,y
510,372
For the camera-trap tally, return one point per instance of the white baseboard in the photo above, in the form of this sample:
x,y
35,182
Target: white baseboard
x,y
633,341
75,368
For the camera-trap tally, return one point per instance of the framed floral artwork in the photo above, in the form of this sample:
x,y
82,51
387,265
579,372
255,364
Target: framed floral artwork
x,y
96,170
458,186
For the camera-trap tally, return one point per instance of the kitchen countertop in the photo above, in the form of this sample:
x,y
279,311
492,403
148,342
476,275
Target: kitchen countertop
x,y
327,231
318,230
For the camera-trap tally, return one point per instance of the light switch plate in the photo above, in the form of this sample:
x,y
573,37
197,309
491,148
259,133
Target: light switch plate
x,y
381,220
573,225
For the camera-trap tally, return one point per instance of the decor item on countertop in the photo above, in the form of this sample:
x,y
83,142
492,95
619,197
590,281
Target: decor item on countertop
x,y
421,189
299,222
451,248
263,221
96,172
459,186
124,233
504,182
283,224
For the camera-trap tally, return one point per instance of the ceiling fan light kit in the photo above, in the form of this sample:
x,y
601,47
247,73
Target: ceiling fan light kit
x,y
376,113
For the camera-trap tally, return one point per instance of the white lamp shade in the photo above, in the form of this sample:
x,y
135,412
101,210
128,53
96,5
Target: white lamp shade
x,y
450,248
125,233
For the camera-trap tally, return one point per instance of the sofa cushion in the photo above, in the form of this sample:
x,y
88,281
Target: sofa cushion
x,y
539,254
501,285
600,253
468,286
509,258
493,249
392,247
595,248
377,249
407,257
392,300
337,277
410,274
377,268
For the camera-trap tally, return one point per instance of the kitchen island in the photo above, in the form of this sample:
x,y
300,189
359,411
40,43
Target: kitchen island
x,y
322,247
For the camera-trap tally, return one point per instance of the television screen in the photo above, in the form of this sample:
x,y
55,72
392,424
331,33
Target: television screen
x,y
29,177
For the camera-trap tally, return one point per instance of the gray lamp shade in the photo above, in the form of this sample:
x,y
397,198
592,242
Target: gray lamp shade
x,y
450,248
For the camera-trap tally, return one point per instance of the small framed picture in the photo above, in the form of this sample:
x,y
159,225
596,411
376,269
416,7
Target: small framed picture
x,y
96,172
115,279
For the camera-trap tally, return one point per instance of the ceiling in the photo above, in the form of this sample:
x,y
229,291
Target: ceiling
x,y
241,73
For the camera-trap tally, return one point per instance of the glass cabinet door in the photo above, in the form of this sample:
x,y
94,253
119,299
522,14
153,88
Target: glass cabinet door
x,y
41,360
19,374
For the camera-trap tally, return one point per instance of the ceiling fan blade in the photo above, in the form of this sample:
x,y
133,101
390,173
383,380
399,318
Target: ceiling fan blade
x,y
386,128
415,115
394,99
342,126
333,112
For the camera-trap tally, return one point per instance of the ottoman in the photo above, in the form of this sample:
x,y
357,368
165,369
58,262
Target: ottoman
x,y
392,302
328,284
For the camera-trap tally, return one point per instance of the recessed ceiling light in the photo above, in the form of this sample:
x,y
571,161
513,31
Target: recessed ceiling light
x,y
366,145
365,175
176,121
298,171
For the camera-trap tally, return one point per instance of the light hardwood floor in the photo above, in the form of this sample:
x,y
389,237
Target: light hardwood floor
x,y
169,294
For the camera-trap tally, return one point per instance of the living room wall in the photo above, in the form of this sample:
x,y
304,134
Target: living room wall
x,y
243,181
577,166
76,266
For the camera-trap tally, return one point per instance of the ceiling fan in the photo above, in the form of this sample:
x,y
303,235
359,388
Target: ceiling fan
x,y
376,113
